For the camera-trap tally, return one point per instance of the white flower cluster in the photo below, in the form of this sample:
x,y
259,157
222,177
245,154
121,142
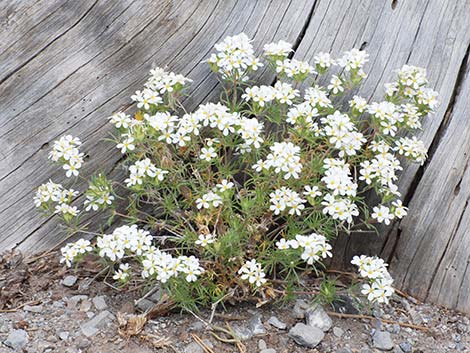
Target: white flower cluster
x,y
284,157
284,198
323,61
277,50
253,272
283,93
125,239
381,169
163,266
384,214
338,204
343,134
142,169
317,98
66,151
98,194
71,251
292,68
52,194
379,289
354,59
315,246
412,148
121,120
235,58
160,82
213,198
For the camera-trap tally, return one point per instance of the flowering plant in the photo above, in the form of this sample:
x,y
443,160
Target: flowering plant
x,y
246,192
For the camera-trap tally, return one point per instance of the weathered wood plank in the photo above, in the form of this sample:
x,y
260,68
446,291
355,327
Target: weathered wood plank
x,y
90,71
432,34
433,255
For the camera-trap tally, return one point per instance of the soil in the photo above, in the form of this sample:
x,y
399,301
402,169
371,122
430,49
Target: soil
x,y
58,318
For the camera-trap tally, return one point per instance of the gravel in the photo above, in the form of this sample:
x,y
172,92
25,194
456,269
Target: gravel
x,y
275,322
305,335
91,327
382,340
17,339
100,303
69,281
316,316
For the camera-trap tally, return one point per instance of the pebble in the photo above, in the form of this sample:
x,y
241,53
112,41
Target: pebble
x,y
395,329
268,350
262,345
194,347
274,321
63,335
317,317
17,339
82,343
145,304
300,307
256,325
345,305
406,347
100,303
305,335
338,331
85,305
91,327
33,308
69,281
382,340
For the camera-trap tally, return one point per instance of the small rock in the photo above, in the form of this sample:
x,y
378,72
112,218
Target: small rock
x,y
85,305
91,327
305,335
395,329
197,326
262,345
300,307
345,305
100,303
366,350
382,340
406,347
256,325
69,281
406,304
338,331
344,350
17,339
52,339
415,317
33,308
268,350
82,343
73,301
63,335
317,317
243,332
274,321
145,304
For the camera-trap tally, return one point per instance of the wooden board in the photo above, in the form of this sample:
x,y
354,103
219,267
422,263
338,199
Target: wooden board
x,y
67,65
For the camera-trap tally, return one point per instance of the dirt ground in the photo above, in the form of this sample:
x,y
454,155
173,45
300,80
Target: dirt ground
x,y
47,308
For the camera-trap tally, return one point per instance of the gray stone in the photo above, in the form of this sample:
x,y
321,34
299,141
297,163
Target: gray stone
x,y
382,340
243,332
274,321
300,307
73,301
317,317
82,343
99,302
17,339
256,325
344,350
262,345
69,281
338,331
366,350
33,308
406,347
145,305
63,335
91,327
395,329
305,335
85,305
197,326
344,304
268,350
416,317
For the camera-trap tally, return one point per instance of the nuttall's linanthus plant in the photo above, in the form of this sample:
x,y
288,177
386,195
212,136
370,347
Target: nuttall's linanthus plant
x,y
246,193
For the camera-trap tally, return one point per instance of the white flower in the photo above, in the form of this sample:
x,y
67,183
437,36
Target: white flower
x,y
224,185
126,144
280,48
382,214
253,272
207,154
205,239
